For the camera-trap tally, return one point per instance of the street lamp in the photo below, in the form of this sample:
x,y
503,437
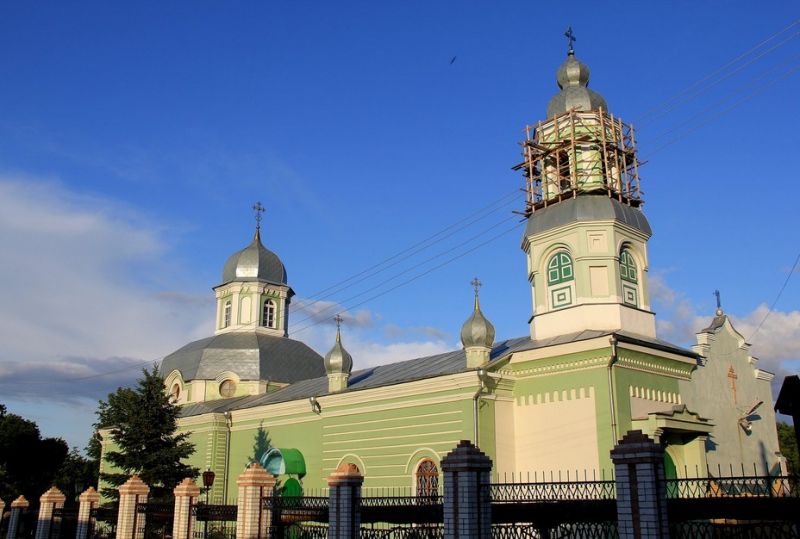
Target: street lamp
x,y
208,482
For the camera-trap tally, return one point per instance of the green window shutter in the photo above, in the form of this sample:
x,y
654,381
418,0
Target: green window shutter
x,y
559,269
627,267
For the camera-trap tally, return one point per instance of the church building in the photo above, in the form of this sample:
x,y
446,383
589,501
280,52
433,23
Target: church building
x,y
549,404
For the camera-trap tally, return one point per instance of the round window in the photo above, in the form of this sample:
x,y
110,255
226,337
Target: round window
x,y
227,388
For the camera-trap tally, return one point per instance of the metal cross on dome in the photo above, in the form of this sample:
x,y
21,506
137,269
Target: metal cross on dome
x,y
719,301
476,284
258,208
570,40
339,320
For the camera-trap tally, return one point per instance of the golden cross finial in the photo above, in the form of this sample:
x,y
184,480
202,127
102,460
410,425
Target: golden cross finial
x,y
476,284
258,209
570,40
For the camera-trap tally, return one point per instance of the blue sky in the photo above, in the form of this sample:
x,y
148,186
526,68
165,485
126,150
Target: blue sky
x,y
134,139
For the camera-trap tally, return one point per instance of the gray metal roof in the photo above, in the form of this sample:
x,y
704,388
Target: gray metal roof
x,y
583,208
573,77
251,355
416,369
254,263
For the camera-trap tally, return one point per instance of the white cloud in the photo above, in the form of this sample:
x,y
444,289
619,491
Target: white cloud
x,y
776,345
72,303
306,313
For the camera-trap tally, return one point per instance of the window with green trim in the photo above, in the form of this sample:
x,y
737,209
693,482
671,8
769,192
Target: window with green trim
x,y
559,269
627,267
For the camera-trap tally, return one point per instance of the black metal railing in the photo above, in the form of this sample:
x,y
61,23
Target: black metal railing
x,y
402,509
154,520
552,491
723,487
103,523
298,531
710,529
583,530
214,521
64,522
403,532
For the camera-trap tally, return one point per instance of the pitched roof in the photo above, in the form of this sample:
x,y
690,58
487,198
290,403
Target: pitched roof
x,y
453,362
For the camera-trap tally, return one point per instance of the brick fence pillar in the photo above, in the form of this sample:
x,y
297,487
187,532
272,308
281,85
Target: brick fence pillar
x,y
344,504
17,507
2,508
467,502
641,490
89,499
129,524
252,519
183,522
48,502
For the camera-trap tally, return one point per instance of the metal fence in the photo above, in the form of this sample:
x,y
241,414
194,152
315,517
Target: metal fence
x,y
64,523
103,523
551,491
214,521
154,520
722,487
709,529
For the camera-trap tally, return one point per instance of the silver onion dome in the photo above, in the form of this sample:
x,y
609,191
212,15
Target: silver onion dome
x,y
338,360
254,263
573,80
477,330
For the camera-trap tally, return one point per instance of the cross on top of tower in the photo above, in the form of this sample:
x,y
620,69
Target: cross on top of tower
x,y
719,303
476,284
338,318
258,209
570,40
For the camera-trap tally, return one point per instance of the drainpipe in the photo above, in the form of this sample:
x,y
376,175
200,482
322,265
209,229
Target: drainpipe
x,y
482,378
229,423
611,361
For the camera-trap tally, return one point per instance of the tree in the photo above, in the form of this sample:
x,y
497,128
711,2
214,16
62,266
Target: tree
x,y
788,445
28,462
77,473
143,424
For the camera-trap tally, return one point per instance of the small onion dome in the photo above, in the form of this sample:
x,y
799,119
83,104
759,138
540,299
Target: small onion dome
x,y
338,360
573,78
254,263
477,330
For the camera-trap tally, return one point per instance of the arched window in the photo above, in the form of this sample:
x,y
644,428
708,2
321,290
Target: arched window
x,y
427,478
226,317
559,269
175,392
268,314
627,267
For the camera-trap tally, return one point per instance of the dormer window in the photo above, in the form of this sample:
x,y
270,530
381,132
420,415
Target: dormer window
x,y
268,315
226,314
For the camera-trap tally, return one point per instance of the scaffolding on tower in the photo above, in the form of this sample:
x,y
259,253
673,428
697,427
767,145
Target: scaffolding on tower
x,y
579,153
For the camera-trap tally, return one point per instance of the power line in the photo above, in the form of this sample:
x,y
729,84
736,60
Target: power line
x,y
741,101
717,71
775,302
414,278
405,271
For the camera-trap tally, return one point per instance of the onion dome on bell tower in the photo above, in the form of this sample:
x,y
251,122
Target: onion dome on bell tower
x,y
338,362
586,236
477,334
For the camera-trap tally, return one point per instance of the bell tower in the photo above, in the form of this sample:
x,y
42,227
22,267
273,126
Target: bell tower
x,y
586,236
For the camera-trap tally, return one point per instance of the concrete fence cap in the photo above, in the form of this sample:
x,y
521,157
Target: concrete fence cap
x,y
52,495
20,502
89,495
187,487
134,485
